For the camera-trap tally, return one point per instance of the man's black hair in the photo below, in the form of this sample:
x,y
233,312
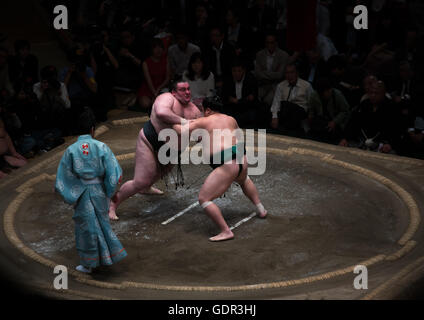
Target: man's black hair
x,y
48,72
238,62
214,103
291,65
86,121
174,83
322,85
182,30
336,62
21,44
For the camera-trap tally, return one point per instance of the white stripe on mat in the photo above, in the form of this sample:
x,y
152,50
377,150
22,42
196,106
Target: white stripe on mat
x,y
243,221
181,213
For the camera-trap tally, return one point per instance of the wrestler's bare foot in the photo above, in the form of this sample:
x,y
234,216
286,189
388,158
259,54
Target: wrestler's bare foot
x,y
262,214
152,190
112,215
225,235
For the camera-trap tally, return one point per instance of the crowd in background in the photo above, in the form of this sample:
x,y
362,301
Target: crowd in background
x,y
296,69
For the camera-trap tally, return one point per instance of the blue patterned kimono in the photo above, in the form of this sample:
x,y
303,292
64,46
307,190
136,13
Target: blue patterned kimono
x,y
87,177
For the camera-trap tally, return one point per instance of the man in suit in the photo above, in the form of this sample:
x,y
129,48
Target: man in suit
x,y
269,69
313,67
220,55
241,96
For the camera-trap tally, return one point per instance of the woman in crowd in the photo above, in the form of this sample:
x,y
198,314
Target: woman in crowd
x,y
156,73
201,80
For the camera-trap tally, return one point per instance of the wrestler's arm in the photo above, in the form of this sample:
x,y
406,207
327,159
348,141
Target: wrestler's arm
x,y
200,123
163,108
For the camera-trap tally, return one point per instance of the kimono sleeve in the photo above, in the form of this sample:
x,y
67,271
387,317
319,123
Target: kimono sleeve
x,y
113,171
67,183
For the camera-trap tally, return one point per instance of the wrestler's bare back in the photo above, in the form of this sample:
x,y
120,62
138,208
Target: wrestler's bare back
x,y
218,121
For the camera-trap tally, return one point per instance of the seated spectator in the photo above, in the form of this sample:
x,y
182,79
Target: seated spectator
x,y
201,80
405,86
412,144
237,35
54,103
312,67
269,68
49,79
200,27
261,17
130,57
374,126
9,157
27,108
23,67
6,87
367,84
408,49
163,34
106,68
179,54
291,103
157,74
328,113
80,82
220,55
240,96
345,78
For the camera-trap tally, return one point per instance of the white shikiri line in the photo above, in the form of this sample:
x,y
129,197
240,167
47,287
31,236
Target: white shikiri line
x,y
238,224
179,214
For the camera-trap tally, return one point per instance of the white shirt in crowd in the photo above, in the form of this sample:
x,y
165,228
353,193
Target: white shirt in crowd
x,y
239,89
299,95
269,60
233,33
201,88
178,59
63,93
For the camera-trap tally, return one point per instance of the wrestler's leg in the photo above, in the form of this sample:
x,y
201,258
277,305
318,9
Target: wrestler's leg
x,y
215,185
15,162
146,172
2,174
249,189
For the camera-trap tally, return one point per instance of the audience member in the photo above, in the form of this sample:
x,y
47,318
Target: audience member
x,y
81,85
23,67
374,126
157,74
261,17
201,27
201,80
6,87
240,96
130,57
237,35
55,104
291,102
220,56
312,66
269,68
328,113
106,68
179,54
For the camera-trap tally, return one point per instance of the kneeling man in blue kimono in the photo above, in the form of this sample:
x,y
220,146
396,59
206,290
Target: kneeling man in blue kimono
x,y
87,177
